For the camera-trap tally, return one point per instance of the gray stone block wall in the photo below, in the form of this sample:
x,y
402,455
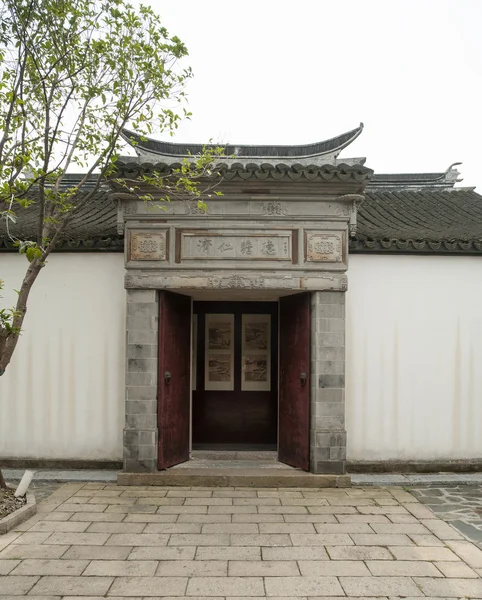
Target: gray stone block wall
x,y
140,433
328,434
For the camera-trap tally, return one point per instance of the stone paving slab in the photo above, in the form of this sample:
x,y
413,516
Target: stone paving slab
x,y
99,540
415,479
459,505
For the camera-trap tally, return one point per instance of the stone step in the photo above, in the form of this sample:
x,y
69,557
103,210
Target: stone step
x,y
235,477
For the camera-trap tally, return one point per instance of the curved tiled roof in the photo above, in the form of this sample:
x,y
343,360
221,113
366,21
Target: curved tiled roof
x,y
395,217
168,149
419,220
93,226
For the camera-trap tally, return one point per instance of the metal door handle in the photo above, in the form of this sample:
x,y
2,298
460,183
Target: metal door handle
x,y
167,377
303,379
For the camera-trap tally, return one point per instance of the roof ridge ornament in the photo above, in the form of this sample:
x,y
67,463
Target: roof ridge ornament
x,y
452,175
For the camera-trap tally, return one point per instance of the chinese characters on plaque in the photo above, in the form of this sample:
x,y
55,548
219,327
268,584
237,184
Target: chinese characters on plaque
x,y
219,352
236,246
256,353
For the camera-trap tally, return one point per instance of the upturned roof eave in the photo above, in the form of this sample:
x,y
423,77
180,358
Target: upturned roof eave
x,y
168,150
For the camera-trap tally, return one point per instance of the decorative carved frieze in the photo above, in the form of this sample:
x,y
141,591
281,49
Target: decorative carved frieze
x,y
148,246
236,281
235,246
193,208
263,281
274,209
342,210
324,247
130,208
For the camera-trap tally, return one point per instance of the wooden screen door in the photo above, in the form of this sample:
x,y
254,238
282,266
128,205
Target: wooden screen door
x,y
174,386
294,381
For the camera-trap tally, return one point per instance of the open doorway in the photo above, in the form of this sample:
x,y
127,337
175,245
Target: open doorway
x,y
235,376
239,400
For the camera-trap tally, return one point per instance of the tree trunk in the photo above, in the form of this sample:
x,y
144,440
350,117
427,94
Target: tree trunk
x,y
8,342
3,485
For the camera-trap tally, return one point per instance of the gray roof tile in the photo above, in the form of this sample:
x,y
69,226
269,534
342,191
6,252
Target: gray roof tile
x,y
396,217
419,220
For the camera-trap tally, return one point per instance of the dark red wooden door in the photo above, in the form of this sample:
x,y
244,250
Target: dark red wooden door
x,y
294,382
174,379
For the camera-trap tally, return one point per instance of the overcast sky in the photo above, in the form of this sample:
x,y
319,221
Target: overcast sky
x,y
278,72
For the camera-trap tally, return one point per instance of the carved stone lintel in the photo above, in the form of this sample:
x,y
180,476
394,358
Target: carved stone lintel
x,y
266,281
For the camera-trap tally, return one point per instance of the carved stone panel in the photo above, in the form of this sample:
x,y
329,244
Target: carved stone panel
x,y
323,247
235,246
148,246
274,209
236,281
342,210
193,208
130,208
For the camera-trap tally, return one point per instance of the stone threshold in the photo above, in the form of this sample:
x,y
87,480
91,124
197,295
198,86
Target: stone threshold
x,y
247,455
240,477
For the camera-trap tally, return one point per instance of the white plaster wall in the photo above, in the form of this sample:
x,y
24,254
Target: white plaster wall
x,y
414,356
63,394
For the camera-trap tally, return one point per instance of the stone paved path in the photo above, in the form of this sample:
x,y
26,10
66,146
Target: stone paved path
x,y
461,506
43,489
105,541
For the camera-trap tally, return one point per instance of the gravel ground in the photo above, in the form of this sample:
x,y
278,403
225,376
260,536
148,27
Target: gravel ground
x,y
8,502
41,489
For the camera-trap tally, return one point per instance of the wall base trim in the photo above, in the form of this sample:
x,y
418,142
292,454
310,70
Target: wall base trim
x,y
55,463
471,465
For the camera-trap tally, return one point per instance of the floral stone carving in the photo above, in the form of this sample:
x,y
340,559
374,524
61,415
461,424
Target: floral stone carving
x,y
323,247
274,209
148,246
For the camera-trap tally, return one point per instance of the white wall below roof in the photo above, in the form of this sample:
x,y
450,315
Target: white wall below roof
x,y
414,347
63,394
414,350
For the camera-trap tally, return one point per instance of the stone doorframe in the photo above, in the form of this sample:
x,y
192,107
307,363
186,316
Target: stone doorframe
x,y
327,403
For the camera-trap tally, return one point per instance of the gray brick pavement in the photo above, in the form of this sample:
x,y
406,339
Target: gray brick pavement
x,y
99,540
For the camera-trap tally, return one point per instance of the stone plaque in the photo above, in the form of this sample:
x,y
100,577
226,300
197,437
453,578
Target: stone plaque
x,y
324,247
235,246
148,246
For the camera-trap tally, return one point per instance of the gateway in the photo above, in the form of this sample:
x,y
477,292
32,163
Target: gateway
x,y
249,302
